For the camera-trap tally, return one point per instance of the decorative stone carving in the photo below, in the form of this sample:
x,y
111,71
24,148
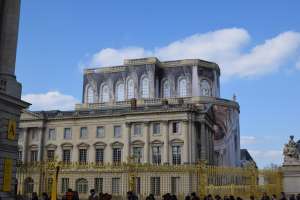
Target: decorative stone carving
x,y
291,152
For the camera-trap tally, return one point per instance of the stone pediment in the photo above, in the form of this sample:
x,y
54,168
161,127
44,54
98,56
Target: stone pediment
x,y
117,144
137,143
28,115
100,144
176,141
156,142
83,145
51,146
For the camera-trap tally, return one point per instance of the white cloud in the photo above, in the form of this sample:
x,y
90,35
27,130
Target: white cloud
x,y
227,47
52,100
246,140
265,157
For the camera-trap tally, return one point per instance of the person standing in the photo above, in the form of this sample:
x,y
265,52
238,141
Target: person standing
x,y
93,195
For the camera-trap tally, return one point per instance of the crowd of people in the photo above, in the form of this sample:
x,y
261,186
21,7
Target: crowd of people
x,y
73,195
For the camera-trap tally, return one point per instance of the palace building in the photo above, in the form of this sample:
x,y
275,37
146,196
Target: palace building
x,y
166,113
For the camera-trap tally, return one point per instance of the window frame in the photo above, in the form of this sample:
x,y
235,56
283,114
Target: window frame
x,y
70,134
83,135
117,135
97,132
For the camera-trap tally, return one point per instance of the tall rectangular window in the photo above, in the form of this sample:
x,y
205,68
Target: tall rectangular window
x,y
176,155
67,134
117,131
82,156
117,153
64,185
156,128
155,185
66,155
115,185
34,135
100,132
137,129
156,155
175,184
175,127
83,133
51,134
99,156
138,154
49,184
98,185
33,155
50,155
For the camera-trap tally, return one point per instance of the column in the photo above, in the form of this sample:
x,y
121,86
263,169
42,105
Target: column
x,y
75,154
59,153
25,145
195,82
186,159
166,142
202,142
91,150
41,143
127,142
147,142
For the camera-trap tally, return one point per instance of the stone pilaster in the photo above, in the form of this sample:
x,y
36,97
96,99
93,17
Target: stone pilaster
x,y
186,151
195,82
165,133
127,141
147,142
203,142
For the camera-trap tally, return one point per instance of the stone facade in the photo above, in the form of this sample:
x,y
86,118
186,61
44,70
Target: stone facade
x,y
10,94
166,113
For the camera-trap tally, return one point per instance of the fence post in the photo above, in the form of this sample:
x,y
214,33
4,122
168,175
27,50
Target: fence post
x,y
202,174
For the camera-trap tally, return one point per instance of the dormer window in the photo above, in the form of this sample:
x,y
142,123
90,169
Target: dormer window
x,y
145,88
130,89
90,95
182,87
120,92
205,89
104,94
166,89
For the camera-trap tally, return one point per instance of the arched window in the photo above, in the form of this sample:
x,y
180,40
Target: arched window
x,y
90,95
82,185
130,89
120,92
182,87
28,185
145,87
205,89
166,89
104,94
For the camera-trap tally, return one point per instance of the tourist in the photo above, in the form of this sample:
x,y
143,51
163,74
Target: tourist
x,y
265,197
218,197
194,196
93,195
173,197
251,197
75,195
34,196
274,197
282,196
45,196
166,196
209,197
298,196
292,197
69,194
231,197
188,197
239,198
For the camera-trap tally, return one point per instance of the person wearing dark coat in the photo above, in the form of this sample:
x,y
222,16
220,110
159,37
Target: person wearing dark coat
x,y
34,196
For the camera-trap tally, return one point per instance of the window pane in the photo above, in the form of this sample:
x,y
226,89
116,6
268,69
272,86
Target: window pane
x,y
116,155
166,89
205,89
175,127
137,129
51,134
156,128
90,95
100,132
120,92
67,134
99,156
116,185
145,87
82,186
99,185
83,133
176,155
66,156
155,185
130,89
50,155
175,185
182,88
156,155
64,184
82,156
117,131
104,94
138,154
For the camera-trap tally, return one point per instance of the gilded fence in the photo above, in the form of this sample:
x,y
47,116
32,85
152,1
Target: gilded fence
x,y
145,179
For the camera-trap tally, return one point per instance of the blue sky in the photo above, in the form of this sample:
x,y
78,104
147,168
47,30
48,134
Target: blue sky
x,y
256,44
